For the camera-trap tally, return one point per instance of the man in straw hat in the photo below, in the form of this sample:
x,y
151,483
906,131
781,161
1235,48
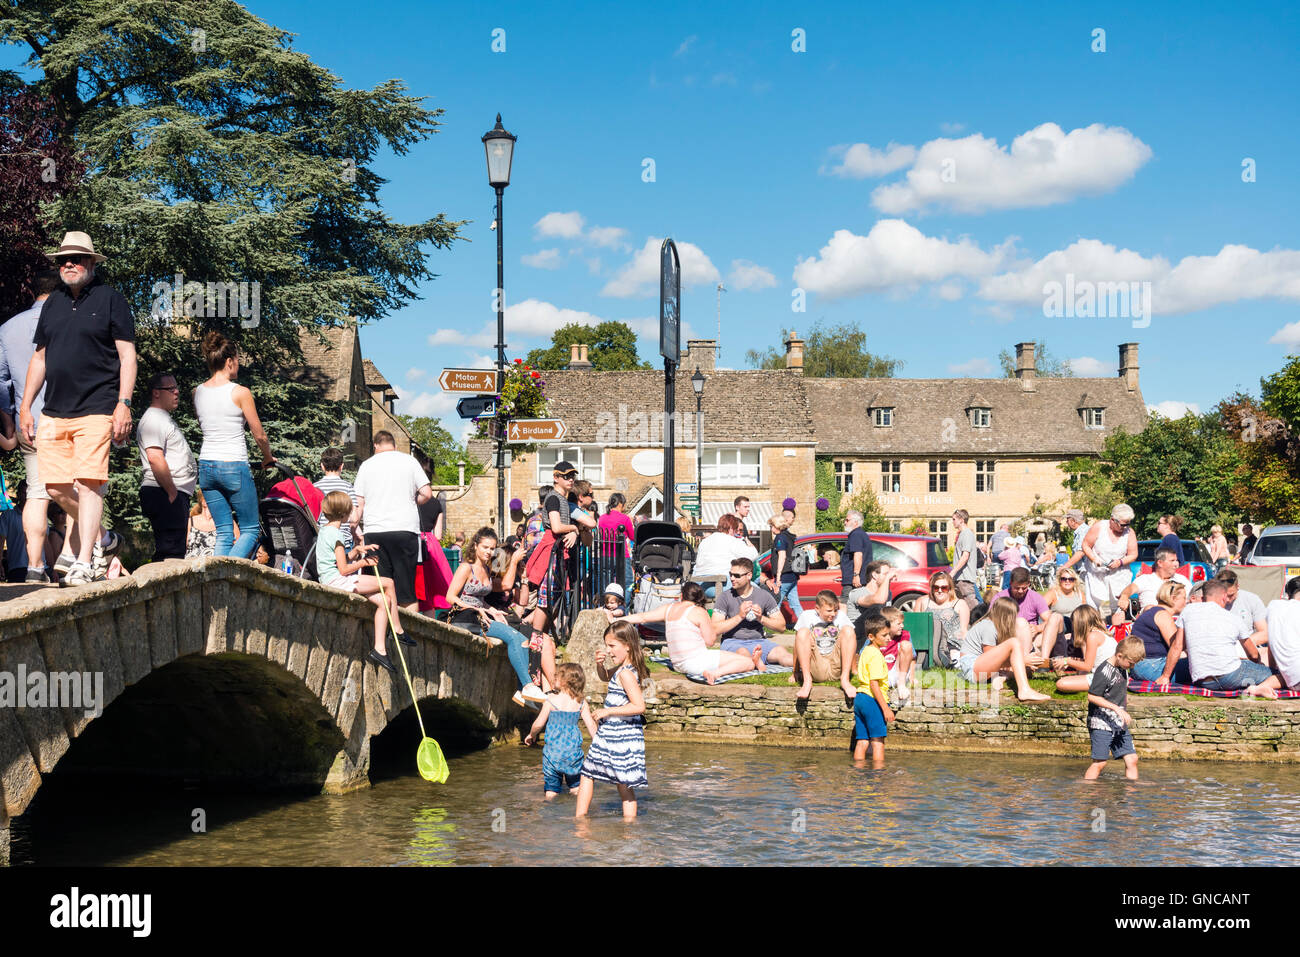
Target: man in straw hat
x,y
85,358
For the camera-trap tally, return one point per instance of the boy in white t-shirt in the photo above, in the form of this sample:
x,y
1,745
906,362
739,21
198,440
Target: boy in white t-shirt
x,y
824,646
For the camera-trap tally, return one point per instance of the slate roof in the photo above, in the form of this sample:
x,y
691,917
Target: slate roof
x,y
1045,421
768,407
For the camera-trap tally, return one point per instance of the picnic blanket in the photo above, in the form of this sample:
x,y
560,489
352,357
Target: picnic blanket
x,y
1150,687
771,670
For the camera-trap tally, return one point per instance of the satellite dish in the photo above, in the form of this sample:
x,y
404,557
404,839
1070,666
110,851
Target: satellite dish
x,y
648,463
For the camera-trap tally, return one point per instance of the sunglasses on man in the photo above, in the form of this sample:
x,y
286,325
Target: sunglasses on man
x,y
75,261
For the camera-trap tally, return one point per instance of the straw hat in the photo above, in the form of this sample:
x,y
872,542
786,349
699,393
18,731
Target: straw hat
x,y
75,243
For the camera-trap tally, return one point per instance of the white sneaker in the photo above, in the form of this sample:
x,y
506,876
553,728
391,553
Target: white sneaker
x,y
519,699
79,574
63,563
533,694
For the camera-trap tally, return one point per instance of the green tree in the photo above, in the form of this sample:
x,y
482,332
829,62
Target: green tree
x,y
612,347
1046,366
835,352
217,152
442,447
862,499
1265,479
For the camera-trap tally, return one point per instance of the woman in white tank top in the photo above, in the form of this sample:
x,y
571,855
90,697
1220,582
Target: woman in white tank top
x,y
1109,547
223,408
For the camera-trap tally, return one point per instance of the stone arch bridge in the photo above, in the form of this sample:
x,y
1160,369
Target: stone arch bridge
x,y
228,671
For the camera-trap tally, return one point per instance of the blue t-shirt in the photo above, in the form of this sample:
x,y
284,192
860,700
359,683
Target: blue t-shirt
x,y
1171,541
858,542
327,568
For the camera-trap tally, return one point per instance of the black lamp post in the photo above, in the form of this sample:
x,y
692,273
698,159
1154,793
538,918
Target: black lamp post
x,y
500,147
697,383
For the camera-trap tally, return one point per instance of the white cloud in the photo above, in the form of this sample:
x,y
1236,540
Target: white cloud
x,y
415,375
1288,335
950,291
1173,409
1086,259
893,254
563,225
545,259
980,368
432,404
481,362
686,45
641,276
454,337
860,160
606,236
593,265
747,275
1090,368
951,128
1043,166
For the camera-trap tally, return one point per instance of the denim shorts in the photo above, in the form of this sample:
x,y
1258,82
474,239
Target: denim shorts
x,y
868,719
1150,669
740,646
558,781
1110,743
1247,673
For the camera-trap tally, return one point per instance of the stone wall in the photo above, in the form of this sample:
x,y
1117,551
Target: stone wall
x,y
1163,726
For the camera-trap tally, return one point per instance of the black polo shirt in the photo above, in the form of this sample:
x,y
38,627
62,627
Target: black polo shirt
x,y
82,370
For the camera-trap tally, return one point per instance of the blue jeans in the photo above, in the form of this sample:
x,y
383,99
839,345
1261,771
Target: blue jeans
x,y
231,496
1150,669
790,592
516,648
1247,674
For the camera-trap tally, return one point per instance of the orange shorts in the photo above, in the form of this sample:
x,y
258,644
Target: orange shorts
x,y
68,450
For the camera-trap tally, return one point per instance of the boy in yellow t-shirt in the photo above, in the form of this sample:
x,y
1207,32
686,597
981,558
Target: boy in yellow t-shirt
x,y
871,711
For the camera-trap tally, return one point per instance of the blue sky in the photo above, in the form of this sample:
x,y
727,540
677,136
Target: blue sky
x,y
920,170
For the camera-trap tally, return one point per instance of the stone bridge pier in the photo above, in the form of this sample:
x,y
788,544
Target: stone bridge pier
x,y
222,671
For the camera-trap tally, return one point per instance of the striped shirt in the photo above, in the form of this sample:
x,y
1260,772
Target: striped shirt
x,y
337,483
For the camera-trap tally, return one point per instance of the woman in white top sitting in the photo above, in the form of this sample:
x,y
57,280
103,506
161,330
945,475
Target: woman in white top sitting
x,y
716,551
688,630
223,409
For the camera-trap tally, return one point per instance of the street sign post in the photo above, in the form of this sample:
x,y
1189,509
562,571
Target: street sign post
x,y
687,488
475,381
535,430
476,406
670,319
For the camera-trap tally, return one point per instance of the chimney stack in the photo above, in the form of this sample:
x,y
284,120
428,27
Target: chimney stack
x,y
1025,366
1128,365
701,353
578,358
794,353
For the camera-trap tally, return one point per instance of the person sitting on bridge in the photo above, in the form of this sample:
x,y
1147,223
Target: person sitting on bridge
x,y
337,569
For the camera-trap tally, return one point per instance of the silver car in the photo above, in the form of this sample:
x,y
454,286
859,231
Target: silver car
x,y
1279,545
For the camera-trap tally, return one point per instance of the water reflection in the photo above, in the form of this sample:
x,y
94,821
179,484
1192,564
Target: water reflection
x,y
709,804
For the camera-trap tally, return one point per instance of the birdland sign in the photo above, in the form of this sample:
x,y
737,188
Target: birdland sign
x,y
535,430
474,381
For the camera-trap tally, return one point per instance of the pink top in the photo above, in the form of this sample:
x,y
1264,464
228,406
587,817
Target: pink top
x,y
683,637
1011,558
611,522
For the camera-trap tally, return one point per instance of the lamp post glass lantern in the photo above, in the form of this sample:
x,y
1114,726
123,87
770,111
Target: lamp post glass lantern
x,y
697,383
499,146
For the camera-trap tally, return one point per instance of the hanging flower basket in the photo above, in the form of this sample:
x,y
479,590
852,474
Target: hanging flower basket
x,y
522,397
823,505
789,503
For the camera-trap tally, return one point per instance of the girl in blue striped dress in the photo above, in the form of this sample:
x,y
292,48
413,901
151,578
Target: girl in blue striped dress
x,y
617,752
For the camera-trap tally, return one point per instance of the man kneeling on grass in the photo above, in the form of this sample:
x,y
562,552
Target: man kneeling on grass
x,y
1108,720
824,644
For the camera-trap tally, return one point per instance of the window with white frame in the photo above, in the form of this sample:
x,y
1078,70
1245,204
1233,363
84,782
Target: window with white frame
x,y
891,476
844,477
984,475
1094,418
731,466
981,418
589,460
939,475
883,418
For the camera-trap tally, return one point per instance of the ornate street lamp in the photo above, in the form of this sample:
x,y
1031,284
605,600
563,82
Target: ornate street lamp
x,y
500,148
697,383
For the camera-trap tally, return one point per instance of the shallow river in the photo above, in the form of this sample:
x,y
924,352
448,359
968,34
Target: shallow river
x,y
710,804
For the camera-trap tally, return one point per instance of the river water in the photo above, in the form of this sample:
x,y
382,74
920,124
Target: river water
x,y
711,804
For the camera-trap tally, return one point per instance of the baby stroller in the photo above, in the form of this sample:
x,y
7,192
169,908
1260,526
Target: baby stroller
x,y
288,527
659,558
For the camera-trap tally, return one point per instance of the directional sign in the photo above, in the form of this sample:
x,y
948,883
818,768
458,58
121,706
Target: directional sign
x,y
690,500
468,380
475,406
535,430
687,488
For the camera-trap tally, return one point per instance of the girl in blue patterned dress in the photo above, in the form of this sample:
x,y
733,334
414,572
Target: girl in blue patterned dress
x,y
562,753
617,752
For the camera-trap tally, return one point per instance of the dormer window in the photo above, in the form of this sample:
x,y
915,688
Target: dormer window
x,y
1094,418
883,418
981,418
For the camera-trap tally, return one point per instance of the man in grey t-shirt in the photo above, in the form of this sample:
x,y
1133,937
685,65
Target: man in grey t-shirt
x,y
170,472
964,561
742,611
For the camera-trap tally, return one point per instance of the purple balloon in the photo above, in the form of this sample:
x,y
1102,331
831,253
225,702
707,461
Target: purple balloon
x,y
823,505
516,505
789,503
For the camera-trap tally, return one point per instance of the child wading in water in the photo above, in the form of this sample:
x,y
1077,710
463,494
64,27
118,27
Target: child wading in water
x,y
1108,720
336,569
871,711
562,752
617,752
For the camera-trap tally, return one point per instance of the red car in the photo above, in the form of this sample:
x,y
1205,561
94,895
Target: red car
x,y
915,557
